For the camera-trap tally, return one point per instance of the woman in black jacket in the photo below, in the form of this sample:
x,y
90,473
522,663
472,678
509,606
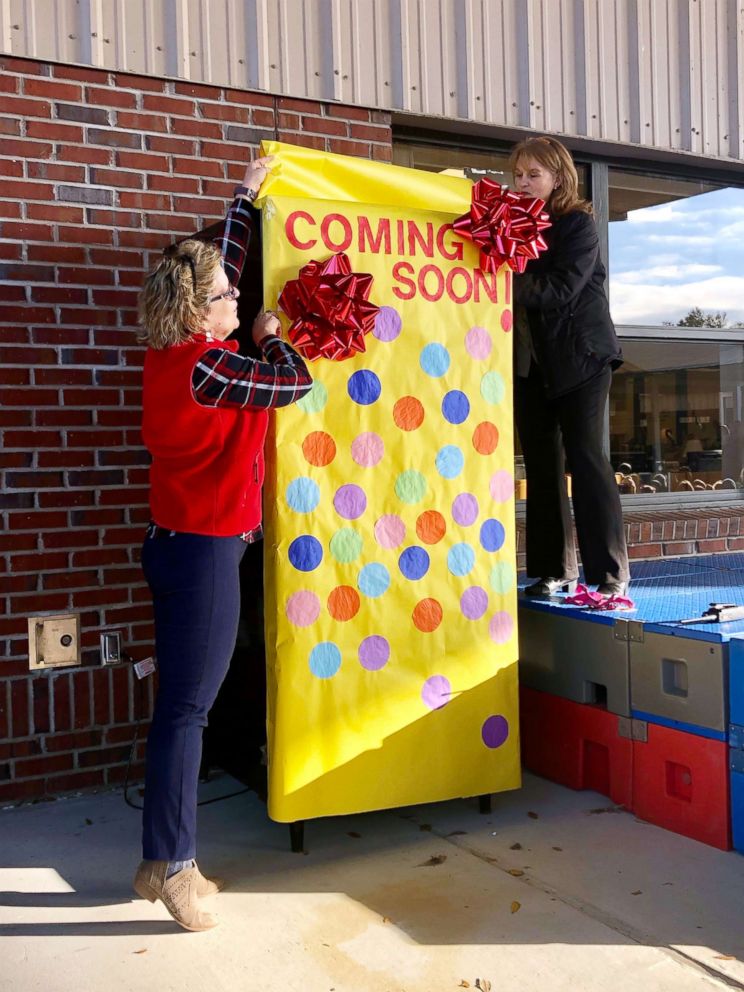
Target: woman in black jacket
x,y
565,351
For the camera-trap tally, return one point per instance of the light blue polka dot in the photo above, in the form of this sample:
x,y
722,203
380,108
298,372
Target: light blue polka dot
x,y
435,360
449,461
460,559
325,660
374,580
303,495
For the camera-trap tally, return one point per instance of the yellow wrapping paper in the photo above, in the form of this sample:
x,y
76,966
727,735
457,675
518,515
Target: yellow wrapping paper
x,y
390,559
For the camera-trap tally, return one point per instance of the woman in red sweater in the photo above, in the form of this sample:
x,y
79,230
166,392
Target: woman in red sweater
x,y
205,413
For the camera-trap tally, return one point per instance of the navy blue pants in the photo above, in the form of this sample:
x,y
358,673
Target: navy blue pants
x,y
195,587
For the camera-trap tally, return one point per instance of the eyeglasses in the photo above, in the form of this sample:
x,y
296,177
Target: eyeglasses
x,y
231,294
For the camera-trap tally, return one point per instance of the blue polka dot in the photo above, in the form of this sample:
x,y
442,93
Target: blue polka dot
x,y
460,559
455,407
374,580
305,553
303,495
325,660
450,461
414,563
364,387
435,360
492,535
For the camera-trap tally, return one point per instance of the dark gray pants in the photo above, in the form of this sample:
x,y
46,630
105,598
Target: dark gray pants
x,y
550,430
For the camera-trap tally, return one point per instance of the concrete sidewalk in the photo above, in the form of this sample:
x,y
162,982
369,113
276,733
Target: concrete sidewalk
x,y
554,890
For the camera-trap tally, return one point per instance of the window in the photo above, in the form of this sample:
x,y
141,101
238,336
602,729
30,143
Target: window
x,y
676,252
676,417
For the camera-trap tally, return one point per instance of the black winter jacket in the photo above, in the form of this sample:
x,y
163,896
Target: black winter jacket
x,y
569,316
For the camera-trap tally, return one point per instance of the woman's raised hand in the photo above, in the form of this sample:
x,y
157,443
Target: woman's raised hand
x,y
266,323
256,171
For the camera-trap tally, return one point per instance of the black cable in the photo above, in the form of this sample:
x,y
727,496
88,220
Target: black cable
x,y
132,750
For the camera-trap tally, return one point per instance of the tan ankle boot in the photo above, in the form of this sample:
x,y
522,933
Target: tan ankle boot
x,y
208,885
178,893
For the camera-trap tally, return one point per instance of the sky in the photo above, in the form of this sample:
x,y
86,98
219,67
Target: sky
x,y
667,259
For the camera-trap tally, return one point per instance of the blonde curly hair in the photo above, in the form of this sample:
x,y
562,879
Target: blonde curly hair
x,y
556,158
175,296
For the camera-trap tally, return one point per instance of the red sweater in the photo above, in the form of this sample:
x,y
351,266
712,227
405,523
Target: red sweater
x,y
207,462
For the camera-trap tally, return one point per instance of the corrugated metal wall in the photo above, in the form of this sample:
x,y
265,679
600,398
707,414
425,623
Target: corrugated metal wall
x,y
659,73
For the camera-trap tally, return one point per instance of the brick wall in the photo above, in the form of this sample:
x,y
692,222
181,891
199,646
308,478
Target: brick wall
x,y
100,170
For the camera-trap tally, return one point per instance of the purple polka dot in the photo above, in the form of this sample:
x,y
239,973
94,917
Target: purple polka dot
x,y
350,502
436,692
478,343
387,324
374,653
474,602
502,485
495,731
367,449
500,628
390,531
465,509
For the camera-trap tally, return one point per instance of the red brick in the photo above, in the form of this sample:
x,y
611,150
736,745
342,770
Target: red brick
x,y
100,96
69,579
290,122
172,184
69,133
87,154
198,90
26,149
49,170
117,177
114,218
141,122
65,459
124,80
26,108
324,125
348,113
382,153
90,235
98,76
11,167
19,704
305,140
679,548
253,99
120,694
371,133
713,545
9,84
644,551
103,756
302,106
27,191
100,556
735,544
146,161
343,147
19,791
87,779
62,702
69,742
81,700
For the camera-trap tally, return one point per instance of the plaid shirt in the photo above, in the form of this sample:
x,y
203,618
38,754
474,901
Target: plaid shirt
x,y
225,378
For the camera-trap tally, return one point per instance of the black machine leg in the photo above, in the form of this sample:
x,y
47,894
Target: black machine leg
x,y
297,836
484,804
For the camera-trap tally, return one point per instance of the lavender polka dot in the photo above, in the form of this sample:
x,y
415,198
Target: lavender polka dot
x,y
436,692
474,603
465,509
367,449
495,731
478,343
390,531
350,501
374,653
500,627
387,324
502,485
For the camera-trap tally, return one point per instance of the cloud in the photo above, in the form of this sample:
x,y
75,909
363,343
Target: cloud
x,y
679,271
646,303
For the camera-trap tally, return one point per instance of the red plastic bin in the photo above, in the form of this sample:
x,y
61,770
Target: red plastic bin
x,y
576,745
681,783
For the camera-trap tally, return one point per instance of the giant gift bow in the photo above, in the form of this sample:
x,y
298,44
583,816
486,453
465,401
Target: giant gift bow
x,y
506,226
329,308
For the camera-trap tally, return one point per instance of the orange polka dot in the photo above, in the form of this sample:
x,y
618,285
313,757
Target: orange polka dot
x,y
427,615
343,603
319,448
485,438
431,527
408,413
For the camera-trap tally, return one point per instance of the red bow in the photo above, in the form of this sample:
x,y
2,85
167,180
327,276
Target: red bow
x,y
505,225
329,308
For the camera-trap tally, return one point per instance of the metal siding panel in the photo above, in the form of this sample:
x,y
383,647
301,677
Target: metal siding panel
x,y
594,62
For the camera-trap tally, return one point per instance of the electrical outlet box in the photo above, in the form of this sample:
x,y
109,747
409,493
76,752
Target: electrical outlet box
x,y
53,641
110,647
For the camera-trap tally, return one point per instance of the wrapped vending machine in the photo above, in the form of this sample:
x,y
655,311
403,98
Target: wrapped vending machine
x,y
390,589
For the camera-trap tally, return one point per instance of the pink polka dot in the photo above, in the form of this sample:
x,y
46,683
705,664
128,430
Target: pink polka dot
x,y
502,485
474,602
303,608
500,628
478,343
436,692
390,531
367,449
506,320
